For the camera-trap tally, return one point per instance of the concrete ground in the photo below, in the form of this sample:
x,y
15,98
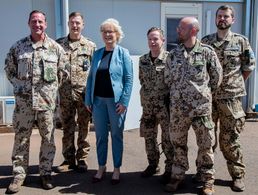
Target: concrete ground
x,y
134,162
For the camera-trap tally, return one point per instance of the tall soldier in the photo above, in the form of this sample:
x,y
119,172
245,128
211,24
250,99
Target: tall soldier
x,y
237,60
193,74
79,50
33,66
155,103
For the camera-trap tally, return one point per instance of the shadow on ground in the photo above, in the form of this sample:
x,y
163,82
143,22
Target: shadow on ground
x,y
73,183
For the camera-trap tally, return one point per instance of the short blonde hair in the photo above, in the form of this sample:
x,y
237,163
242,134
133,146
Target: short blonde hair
x,y
115,24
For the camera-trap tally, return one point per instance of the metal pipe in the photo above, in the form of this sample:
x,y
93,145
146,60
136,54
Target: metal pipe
x,y
58,21
65,17
253,41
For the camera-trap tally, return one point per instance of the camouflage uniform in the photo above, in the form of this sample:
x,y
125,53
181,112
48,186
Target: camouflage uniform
x,y
71,98
192,77
155,102
34,70
235,55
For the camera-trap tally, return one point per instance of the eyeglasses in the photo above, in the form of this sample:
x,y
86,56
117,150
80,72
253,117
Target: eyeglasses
x,y
178,28
108,31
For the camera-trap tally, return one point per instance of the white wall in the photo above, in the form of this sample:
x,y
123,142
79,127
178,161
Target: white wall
x,y
48,7
14,26
134,109
135,17
236,27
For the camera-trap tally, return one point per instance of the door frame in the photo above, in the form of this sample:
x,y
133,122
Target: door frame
x,y
179,10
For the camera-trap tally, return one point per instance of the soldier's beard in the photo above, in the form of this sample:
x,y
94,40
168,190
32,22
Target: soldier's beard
x,y
181,39
223,26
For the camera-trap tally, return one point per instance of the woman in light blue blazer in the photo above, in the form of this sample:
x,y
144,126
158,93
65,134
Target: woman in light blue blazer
x,y
108,91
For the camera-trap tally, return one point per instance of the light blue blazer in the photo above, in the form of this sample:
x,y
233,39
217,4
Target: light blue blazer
x,y
121,75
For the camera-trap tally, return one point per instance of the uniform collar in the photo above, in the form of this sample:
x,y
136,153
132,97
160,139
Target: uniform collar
x,y
228,37
76,44
196,49
218,43
44,44
161,57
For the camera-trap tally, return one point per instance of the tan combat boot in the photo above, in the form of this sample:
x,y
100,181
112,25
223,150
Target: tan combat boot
x,y
208,188
65,166
15,185
46,182
238,185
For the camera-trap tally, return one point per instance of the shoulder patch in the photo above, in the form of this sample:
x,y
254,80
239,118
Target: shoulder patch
x,y
208,37
60,39
239,35
207,46
90,40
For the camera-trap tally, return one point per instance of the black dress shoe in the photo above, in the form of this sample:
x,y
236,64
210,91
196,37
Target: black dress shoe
x,y
96,180
115,181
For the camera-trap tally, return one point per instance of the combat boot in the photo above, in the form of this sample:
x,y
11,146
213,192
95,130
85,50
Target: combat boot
x,y
65,166
208,188
82,166
15,185
238,185
173,185
150,171
46,182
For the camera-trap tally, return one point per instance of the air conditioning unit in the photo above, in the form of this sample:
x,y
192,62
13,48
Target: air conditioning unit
x,y
7,104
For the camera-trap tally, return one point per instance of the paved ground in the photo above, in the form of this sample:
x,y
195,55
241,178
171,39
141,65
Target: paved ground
x,y
134,162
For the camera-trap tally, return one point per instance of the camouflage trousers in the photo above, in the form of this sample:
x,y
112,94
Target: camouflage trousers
x,y
74,112
23,120
149,130
231,117
203,128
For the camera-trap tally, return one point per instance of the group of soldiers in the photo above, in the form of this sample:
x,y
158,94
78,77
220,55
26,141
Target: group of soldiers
x,y
198,84
44,73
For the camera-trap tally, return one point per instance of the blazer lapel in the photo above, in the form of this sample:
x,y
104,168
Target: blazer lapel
x,y
113,58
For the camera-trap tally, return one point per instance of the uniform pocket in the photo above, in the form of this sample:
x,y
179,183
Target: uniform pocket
x,y
207,122
197,71
231,58
83,60
50,68
24,67
232,107
240,123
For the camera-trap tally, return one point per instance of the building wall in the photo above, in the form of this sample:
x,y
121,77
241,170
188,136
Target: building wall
x,y
135,17
237,27
14,26
14,14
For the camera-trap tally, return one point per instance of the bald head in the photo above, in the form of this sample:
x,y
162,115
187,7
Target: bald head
x,y
191,23
187,31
